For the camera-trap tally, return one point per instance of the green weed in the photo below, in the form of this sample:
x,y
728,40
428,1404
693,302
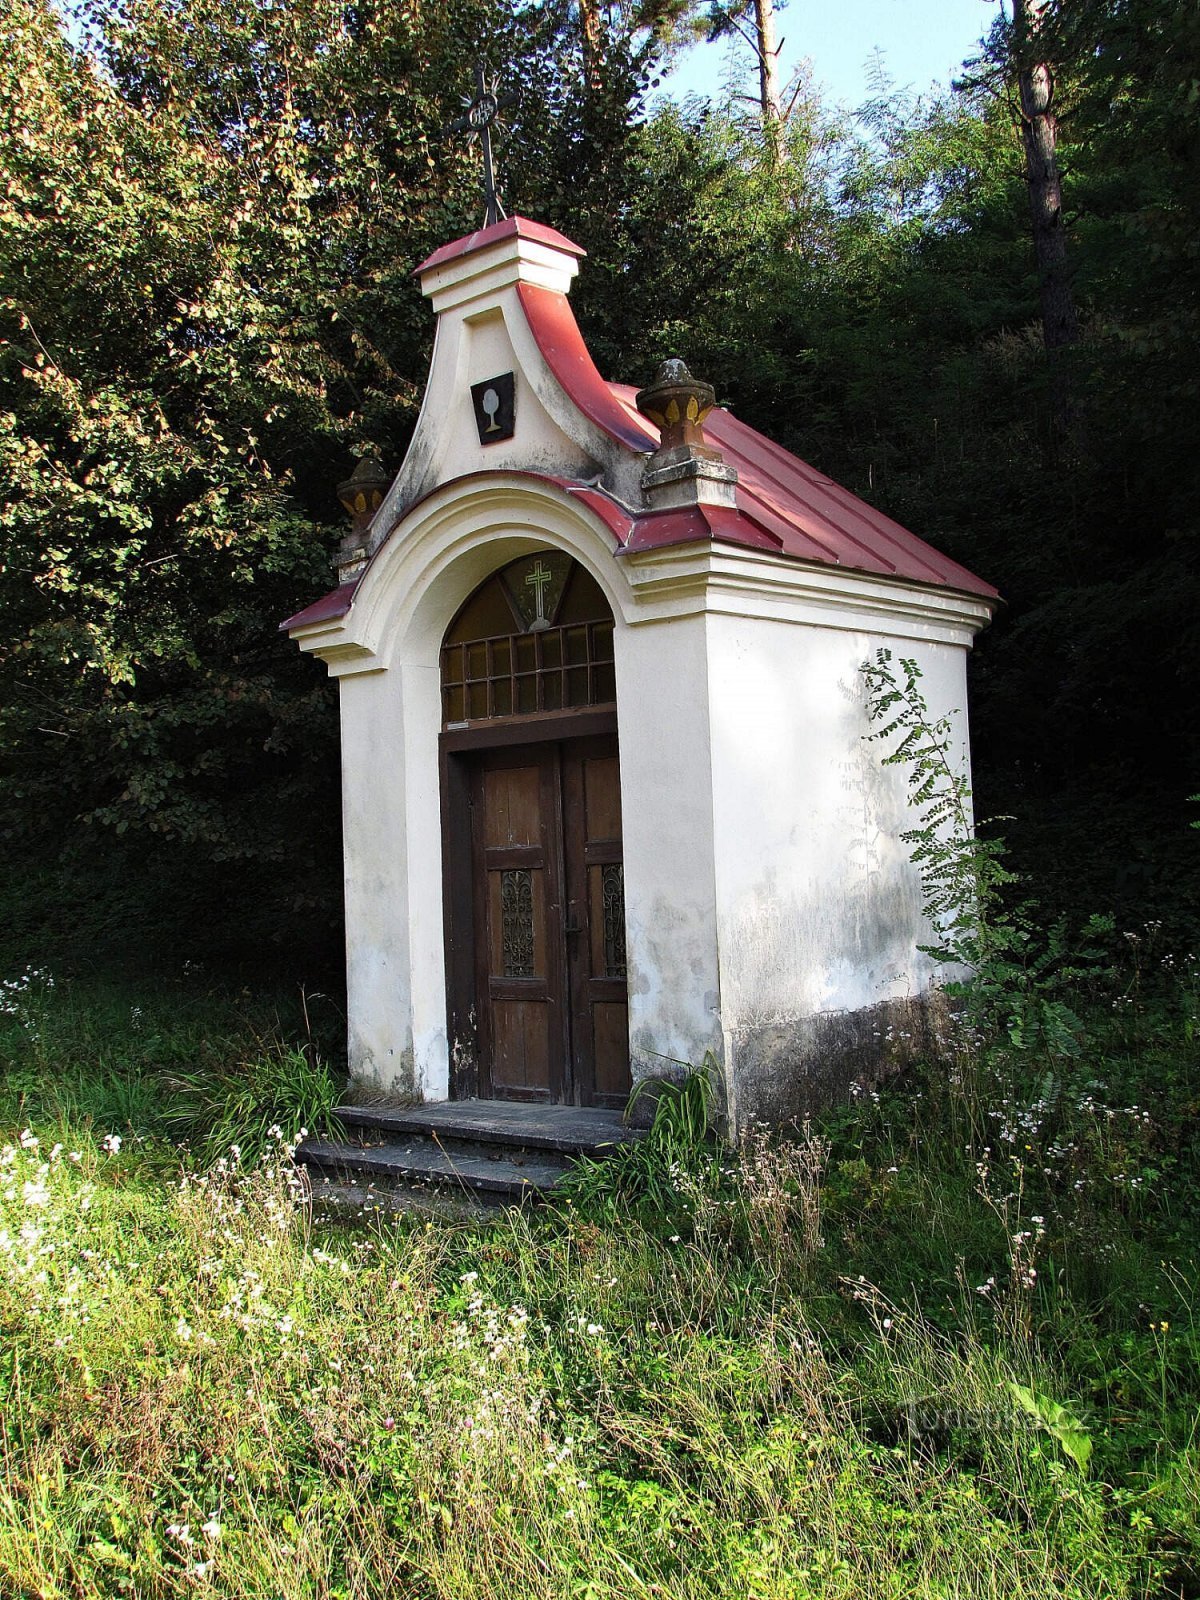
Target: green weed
x,y
657,1175
275,1093
186,1063
943,1343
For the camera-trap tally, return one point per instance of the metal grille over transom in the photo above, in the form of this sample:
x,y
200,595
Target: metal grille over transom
x,y
535,636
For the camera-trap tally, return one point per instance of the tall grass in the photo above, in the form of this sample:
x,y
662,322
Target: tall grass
x,y
201,1395
188,1062
867,1360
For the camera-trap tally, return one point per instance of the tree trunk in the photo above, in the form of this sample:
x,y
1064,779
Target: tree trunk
x,y
1039,131
769,92
591,31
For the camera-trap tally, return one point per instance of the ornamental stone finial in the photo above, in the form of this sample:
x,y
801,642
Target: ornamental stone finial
x,y
362,495
677,404
685,469
363,491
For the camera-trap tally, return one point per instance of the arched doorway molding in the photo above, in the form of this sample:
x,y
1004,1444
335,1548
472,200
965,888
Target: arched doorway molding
x,y
451,542
532,828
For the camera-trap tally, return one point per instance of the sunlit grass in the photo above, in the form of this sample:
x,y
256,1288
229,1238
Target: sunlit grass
x,y
821,1368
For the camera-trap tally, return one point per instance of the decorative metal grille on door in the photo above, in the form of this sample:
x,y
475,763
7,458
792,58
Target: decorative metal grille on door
x,y
612,879
516,914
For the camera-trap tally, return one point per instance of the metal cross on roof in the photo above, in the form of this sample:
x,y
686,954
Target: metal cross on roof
x,y
483,114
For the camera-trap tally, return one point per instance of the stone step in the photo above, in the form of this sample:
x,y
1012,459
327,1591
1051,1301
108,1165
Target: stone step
x,y
340,1197
458,1124
423,1162
453,1149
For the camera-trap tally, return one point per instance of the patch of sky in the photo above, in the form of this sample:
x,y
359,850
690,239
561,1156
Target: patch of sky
x,y
915,43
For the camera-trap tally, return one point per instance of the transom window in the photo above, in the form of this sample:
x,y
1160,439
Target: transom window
x,y
535,636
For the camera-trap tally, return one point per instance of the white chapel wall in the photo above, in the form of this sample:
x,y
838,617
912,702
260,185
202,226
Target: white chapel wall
x,y
818,904
378,933
772,913
773,916
391,719
667,822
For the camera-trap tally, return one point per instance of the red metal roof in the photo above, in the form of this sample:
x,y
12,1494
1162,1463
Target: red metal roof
x,y
334,604
656,530
809,516
557,336
509,228
784,505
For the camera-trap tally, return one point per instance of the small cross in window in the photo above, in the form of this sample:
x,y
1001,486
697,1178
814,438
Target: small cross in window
x,y
537,580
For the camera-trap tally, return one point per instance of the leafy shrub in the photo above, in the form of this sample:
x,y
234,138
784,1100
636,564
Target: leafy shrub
x,y
1006,966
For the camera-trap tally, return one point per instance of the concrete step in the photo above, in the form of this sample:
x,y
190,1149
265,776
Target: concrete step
x,y
425,1162
500,1124
338,1197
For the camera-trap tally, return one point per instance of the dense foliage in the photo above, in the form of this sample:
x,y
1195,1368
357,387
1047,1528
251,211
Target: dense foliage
x,y
209,214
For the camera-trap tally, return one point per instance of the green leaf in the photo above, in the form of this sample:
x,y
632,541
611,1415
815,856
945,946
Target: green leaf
x,y
1069,1434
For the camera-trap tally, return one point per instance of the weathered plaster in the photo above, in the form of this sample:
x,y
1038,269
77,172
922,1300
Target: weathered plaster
x,y
482,331
786,1071
766,885
666,808
819,906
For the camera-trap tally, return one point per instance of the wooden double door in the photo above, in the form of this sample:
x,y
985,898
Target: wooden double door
x,y
537,924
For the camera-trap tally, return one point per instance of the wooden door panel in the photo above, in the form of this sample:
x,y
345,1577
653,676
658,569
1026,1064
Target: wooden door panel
x,y
512,806
610,1025
595,899
518,925
521,1045
546,1015
602,798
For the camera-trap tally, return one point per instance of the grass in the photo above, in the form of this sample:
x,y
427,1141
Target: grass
x,y
189,1062
850,1364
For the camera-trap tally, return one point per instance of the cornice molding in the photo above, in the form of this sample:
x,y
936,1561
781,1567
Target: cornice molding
x,y
684,580
660,585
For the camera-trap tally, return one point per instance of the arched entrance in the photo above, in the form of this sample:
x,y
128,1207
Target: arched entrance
x,y
534,888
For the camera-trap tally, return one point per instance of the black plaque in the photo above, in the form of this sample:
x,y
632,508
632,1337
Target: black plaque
x,y
495,408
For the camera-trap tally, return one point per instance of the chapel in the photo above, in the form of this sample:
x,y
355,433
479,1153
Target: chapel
x,y
609,806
